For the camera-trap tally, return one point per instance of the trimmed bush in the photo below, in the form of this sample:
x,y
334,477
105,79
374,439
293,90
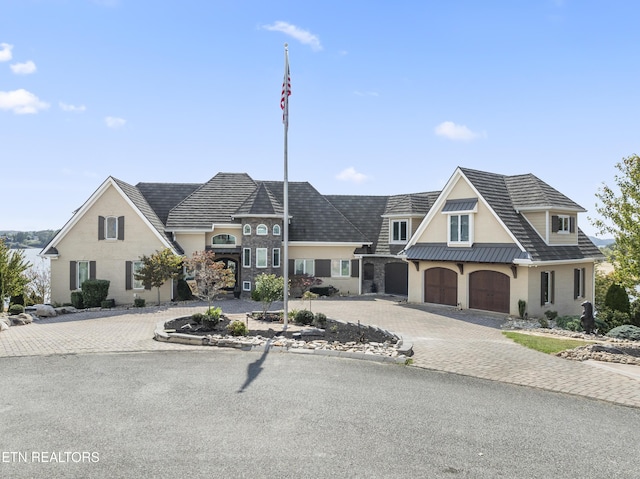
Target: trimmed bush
x,y
617,299
551,315
522,308
94,292
304,316
237,328
197,318
320,320
184,291
213,313
76,300
18,299
255,295
139,302
16,309
609,319
108,303
627,331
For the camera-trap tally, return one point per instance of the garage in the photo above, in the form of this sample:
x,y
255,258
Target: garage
x,y
396,278
441,286
489,291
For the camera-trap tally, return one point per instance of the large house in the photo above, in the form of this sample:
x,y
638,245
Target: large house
x,y
485,241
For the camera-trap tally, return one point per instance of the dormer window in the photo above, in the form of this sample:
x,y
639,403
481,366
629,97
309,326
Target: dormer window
x,y
399,231
563,224
460,222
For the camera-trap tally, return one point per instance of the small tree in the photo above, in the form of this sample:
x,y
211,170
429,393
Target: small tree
x,y
210,276
269,288
12,276
158,268
617,299
38,289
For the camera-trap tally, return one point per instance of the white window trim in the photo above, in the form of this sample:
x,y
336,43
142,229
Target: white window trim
x,y
273,258
339,263
262,227
471,228
78,281
246,257
136,283
564,220
246,286
276,227
106,228
399,241
265,251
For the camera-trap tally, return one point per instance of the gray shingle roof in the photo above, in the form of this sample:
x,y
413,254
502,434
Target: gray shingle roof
x,y
528,191
261,202
411,204
214,202
162,197
364,212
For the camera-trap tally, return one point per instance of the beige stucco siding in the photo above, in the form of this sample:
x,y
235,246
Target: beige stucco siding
x,y
191,242
110,255
344,285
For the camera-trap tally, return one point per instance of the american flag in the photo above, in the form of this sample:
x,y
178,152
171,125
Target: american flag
x,y
286,92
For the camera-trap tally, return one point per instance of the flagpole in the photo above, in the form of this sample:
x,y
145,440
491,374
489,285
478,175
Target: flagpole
x,y
285,245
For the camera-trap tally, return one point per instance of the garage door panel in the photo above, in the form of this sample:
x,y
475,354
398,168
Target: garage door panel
x,y
441,286
489,291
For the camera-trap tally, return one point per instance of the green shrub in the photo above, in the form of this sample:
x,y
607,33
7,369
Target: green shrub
x,y
255,295
94,292
139,302
609,319
635,312
16,309
213,313
304,316
617,299
237,328
17,299
184,291
551,315
197,318
108,303
626,331
522,308
320,320
544,323
76,300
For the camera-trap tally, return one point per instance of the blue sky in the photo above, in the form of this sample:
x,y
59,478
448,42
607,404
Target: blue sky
x,y
387,97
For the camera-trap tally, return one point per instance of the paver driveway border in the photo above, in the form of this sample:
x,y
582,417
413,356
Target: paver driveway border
x,y
469,343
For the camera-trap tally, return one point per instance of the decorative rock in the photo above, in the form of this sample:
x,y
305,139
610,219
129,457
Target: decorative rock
x,y
4,324
66,310
45,311
22,319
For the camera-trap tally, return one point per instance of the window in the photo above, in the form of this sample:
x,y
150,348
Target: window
x,y
547,280
246,230
262,230
459,228
340,268
303,266
223,240
83,273
275,260
579,275
563,224
261,257
246,286
111,227
399,231
246,257
135,268
276,230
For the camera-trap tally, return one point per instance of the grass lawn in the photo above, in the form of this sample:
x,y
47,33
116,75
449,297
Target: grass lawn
x,y
545,344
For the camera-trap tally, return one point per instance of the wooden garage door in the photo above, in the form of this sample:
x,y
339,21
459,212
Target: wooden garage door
x,y
396,278
489,290
441,286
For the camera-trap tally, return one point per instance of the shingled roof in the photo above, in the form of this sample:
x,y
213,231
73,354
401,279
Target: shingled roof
x,y
260,203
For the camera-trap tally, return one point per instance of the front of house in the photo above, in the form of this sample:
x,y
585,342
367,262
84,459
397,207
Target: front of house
x,y
482,242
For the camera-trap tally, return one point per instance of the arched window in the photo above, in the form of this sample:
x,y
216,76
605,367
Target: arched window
x,y
223,240
246,230
262,230
276,230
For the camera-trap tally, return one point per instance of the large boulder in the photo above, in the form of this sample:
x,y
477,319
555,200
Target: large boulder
x,y
66,310
22,319
4,323
45,311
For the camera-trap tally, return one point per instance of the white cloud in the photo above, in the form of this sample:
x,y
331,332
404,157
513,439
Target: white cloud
x,y
366,93
25,68
21,102
74,108
5,52
114,122
350,174
450,130
303,36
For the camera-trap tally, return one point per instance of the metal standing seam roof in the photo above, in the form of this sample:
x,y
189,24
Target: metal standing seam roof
x,y
466,204
478,253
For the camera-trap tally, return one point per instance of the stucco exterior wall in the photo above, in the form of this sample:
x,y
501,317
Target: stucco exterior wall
x,y
191,242
110,255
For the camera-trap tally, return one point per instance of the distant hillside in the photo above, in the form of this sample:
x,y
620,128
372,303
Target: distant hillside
x,y
601,242
27,239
